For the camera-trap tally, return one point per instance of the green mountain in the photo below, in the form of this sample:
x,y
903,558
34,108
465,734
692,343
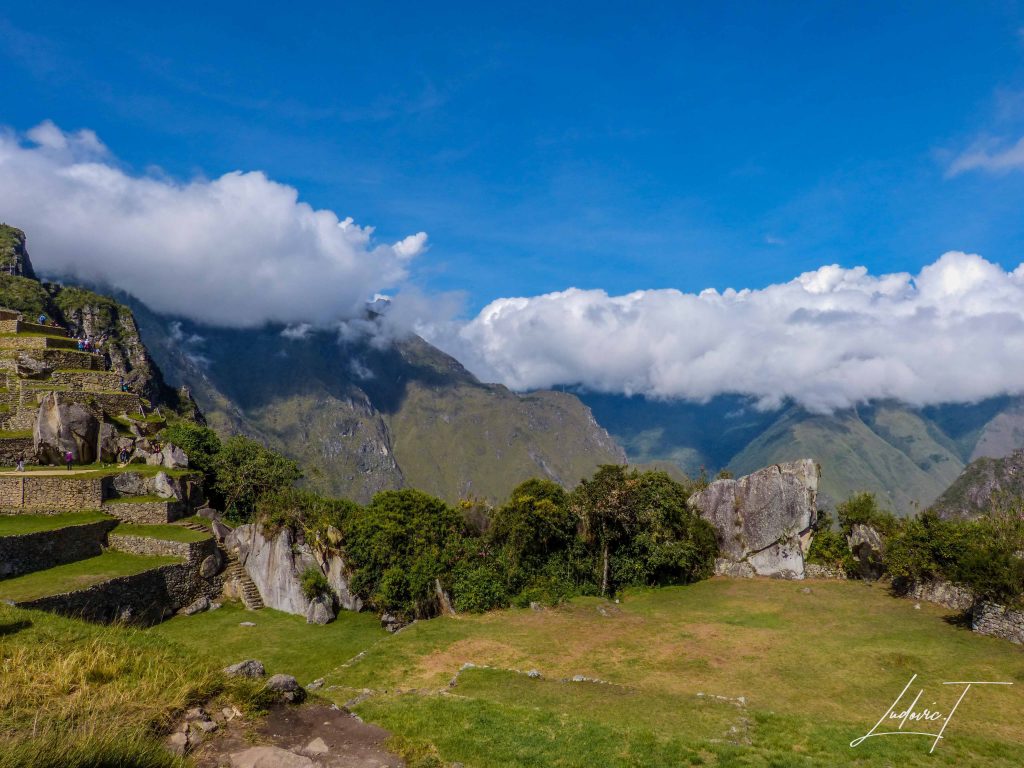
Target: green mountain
x,y
907,456
361,416
983,484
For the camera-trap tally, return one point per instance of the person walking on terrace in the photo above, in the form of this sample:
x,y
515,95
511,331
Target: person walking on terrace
x,y
21,464
69,459
42,319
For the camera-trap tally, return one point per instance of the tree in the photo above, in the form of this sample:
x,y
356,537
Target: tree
x,y
400,546
533,523
245,471
200,443
642,529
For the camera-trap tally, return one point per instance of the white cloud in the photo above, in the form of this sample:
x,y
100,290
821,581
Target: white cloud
x,y
989,157
828,339
238,250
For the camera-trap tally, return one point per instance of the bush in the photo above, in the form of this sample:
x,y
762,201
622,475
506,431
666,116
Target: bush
x,y
829,547
478,588
863,509
400,546
314,583
200,443
245,472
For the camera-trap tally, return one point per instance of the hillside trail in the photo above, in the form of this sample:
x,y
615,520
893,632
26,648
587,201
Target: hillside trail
x,y
307,736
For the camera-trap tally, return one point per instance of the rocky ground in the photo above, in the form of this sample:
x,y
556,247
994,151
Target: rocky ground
x,y
309,736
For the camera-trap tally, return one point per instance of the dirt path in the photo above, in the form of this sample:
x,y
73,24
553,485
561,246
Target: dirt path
x,y
313,735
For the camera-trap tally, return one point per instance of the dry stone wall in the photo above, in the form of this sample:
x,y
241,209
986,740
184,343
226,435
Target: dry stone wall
x,y
141,599
998,621
45,549
192,551
49,494
146,512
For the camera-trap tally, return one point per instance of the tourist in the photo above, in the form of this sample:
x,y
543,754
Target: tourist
x,y
42,319
21,463
81,345
69,459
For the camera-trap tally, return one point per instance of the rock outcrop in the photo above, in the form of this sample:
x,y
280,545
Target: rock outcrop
x,y
763,521
276,565
867,547
62,427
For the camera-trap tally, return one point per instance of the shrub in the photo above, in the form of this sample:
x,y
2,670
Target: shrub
x,y
829,547
478,588
245,471
400,546
314,583
863,509
200,443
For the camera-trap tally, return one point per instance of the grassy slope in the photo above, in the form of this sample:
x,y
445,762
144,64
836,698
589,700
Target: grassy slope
x,y
12,525
77,575
283,642
816,670
854,457
456,442
165,532
79,694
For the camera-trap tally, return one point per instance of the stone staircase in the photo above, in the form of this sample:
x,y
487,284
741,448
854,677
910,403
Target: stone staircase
x,y
234,571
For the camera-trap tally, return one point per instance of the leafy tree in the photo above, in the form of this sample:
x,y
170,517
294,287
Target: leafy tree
x,y
863,509
200,443
401,545
641,529
245,471
533,523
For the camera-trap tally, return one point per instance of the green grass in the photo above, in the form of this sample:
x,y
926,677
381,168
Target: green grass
x,y
134,499
13,525
76,694
90,471
816,671
78,575
12,434
165,532
283,642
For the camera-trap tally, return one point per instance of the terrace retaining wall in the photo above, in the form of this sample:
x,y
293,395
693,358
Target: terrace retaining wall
x,y
49,494
140,599
27,552
192,551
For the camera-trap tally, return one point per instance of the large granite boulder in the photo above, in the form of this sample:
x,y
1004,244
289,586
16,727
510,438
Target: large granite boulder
x,y
763,521
276,565
62,427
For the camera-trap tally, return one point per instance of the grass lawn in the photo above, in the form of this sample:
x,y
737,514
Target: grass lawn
x,y
78,575
12,525
80,694
166,532
722,673
283,642
815,671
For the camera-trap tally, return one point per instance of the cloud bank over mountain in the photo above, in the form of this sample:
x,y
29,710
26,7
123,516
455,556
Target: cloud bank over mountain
x,y
242,250
827,339
238,250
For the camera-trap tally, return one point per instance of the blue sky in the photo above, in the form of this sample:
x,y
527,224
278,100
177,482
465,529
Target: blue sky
x,y
623,147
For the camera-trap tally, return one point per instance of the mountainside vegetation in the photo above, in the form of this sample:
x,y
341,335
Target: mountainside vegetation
x,y
361,416
906,456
